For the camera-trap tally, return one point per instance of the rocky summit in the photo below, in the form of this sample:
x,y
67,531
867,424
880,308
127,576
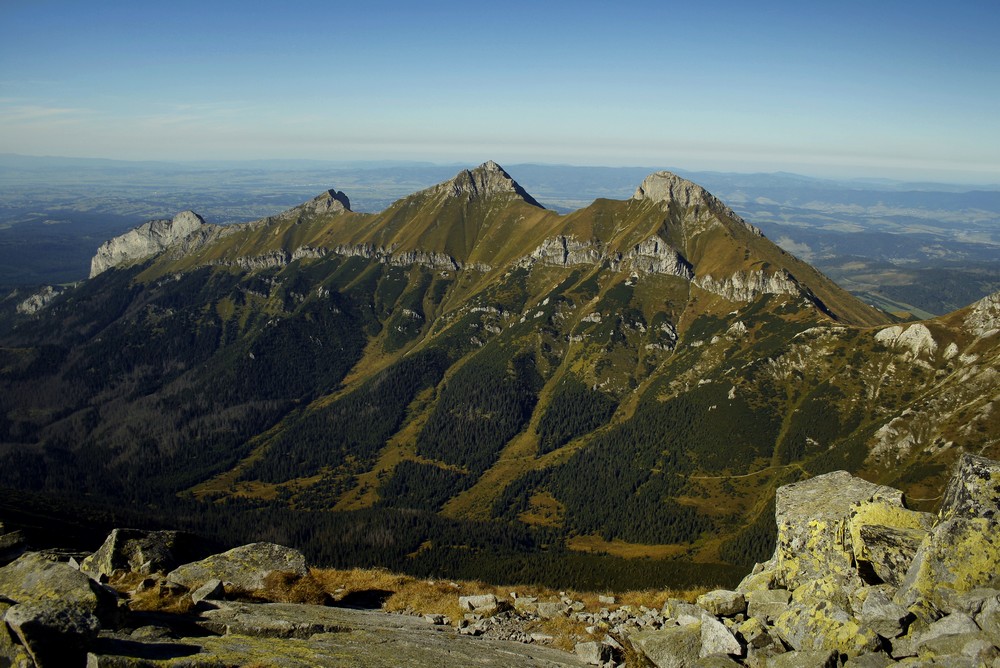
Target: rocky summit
x,y
856,579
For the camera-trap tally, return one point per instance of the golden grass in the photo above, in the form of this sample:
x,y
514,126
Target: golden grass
x,y
620,548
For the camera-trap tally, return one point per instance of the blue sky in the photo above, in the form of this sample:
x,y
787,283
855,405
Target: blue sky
x,y
894,89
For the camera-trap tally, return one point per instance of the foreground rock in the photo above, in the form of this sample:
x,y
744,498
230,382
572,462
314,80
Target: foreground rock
x,y
144,552
246,567
294,635
857,579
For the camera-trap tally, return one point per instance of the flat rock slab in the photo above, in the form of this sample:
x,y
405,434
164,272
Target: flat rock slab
x,y
298,636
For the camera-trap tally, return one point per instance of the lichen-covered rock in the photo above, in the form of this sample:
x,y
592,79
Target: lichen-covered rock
x,y
812,516
54,634
12,653
723,602
246,567
885,536
767,604
959,555
671,647
824,626
973,490
32,578
143,552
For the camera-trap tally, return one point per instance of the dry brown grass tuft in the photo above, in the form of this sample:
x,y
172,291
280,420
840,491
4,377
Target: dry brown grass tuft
x,y
162,597
284,587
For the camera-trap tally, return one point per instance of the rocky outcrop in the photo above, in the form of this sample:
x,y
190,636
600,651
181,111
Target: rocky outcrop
x,y
983,318
916,339
144,241
652,256
666,188
143,552
856,576
53,612
745,286
39,300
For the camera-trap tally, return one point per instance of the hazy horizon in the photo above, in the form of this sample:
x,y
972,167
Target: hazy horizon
x,y
897,90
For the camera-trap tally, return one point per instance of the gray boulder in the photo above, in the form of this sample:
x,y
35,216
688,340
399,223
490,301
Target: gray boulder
x,y
484,604
213,590
32,578
717,639
671,647
879,613
723,602
767,604
55,635
551,609
246,567
144,552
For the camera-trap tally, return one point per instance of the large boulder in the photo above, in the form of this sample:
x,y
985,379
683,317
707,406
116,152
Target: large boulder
x,y
33,578
885,536
824,626
245,568
54,634
812,517
671,647
144,552
958,556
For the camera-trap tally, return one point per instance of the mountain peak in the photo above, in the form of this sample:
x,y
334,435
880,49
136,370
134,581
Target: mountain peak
x,y
486,180
327,201
665,187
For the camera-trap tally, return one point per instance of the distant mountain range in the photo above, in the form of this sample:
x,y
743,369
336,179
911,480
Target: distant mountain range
x,y
914,248
468,383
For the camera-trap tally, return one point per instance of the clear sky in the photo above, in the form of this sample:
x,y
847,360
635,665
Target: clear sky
x,y
907,89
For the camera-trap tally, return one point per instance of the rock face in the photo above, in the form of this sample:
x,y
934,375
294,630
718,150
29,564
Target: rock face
x,y
144,241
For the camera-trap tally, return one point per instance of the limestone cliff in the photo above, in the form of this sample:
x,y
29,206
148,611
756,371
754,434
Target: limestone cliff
x,y
144,241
